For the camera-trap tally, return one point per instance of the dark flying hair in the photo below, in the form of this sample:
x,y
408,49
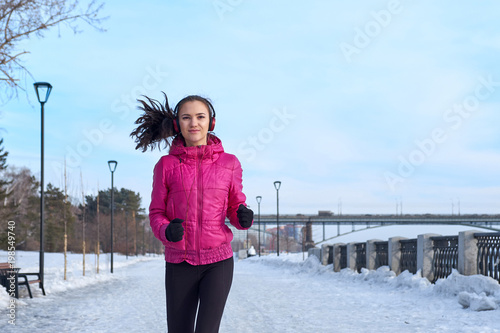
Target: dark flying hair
x,y
156,124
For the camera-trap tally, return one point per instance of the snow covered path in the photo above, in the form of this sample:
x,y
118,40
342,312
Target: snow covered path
x,y
305,297
129,302
269,294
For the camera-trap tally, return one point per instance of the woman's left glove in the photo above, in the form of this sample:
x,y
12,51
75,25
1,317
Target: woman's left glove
x,y
174,231
245,216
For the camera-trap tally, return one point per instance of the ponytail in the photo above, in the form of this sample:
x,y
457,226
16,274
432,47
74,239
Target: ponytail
x,y
156,125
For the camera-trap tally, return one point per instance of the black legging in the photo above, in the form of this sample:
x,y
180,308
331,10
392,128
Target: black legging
x,y
186,284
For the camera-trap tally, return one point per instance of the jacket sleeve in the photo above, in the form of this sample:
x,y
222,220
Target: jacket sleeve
x,y
157,208
236,195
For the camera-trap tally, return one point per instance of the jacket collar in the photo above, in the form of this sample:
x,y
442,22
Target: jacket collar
x,y
211,151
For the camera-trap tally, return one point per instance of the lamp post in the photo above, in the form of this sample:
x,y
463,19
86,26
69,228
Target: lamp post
x,y
247,247
112,168
126,235
42,93
277,185
259,199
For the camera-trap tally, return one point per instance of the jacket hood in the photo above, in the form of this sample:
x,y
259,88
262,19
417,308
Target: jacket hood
x,y
210,151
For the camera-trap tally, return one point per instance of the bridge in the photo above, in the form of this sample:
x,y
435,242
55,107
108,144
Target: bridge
x,y
269,223
373,220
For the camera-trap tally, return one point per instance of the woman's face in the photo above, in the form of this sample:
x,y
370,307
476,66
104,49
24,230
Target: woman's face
x,y
194,121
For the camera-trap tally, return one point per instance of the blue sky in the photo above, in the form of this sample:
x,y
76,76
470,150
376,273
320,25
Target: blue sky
x,y
371,104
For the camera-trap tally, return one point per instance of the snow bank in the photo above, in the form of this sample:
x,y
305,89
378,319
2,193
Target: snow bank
x,y
293,263
476,292
4,298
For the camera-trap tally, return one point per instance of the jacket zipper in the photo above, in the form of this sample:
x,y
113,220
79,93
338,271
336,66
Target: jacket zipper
x,y
199,200
187,205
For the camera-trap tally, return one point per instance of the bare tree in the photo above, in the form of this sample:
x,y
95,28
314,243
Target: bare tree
x,y
21,19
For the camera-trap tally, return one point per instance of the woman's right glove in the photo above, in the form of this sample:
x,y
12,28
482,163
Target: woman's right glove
x,y
245,216
175,230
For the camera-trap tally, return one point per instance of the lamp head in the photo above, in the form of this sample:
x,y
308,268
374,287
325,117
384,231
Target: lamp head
x,y
277,185
42,91
259,199
112,165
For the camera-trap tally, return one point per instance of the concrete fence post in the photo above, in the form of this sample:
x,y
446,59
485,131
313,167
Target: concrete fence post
x,y
467,252
325,254
371,254
314,251
425,253
351,255
394,254
336,257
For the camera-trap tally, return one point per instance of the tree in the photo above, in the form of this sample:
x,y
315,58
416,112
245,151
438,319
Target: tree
x,y
56,210
3,182
21,206
21,19
128,219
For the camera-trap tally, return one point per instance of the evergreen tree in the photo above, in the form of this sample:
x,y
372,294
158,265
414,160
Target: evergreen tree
x,y
4,183
128,219
5,213
21,206
124,200
54,219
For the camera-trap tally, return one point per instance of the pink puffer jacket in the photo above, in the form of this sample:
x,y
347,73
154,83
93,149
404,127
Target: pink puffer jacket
x,y
200,185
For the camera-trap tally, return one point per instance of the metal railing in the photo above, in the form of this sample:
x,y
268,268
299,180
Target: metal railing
x,y
330,255
409,255
488,254
445,257
381,254
343,256
360,256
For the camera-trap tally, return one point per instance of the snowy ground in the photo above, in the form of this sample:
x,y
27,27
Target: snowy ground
x,y
269,294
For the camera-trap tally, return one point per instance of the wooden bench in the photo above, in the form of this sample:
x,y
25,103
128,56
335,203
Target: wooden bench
x,y
6,271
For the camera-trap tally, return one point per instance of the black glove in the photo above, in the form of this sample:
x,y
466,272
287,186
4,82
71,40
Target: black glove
x,y
245,216
175,230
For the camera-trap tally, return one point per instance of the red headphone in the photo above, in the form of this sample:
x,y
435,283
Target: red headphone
x,y
211,111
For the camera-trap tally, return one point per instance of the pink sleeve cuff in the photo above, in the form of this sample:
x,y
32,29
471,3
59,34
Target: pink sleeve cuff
x,y
163,238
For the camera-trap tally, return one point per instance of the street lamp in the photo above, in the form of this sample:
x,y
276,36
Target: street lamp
x,y
42,93
259,199
126,234
277,185
247,247
112,168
